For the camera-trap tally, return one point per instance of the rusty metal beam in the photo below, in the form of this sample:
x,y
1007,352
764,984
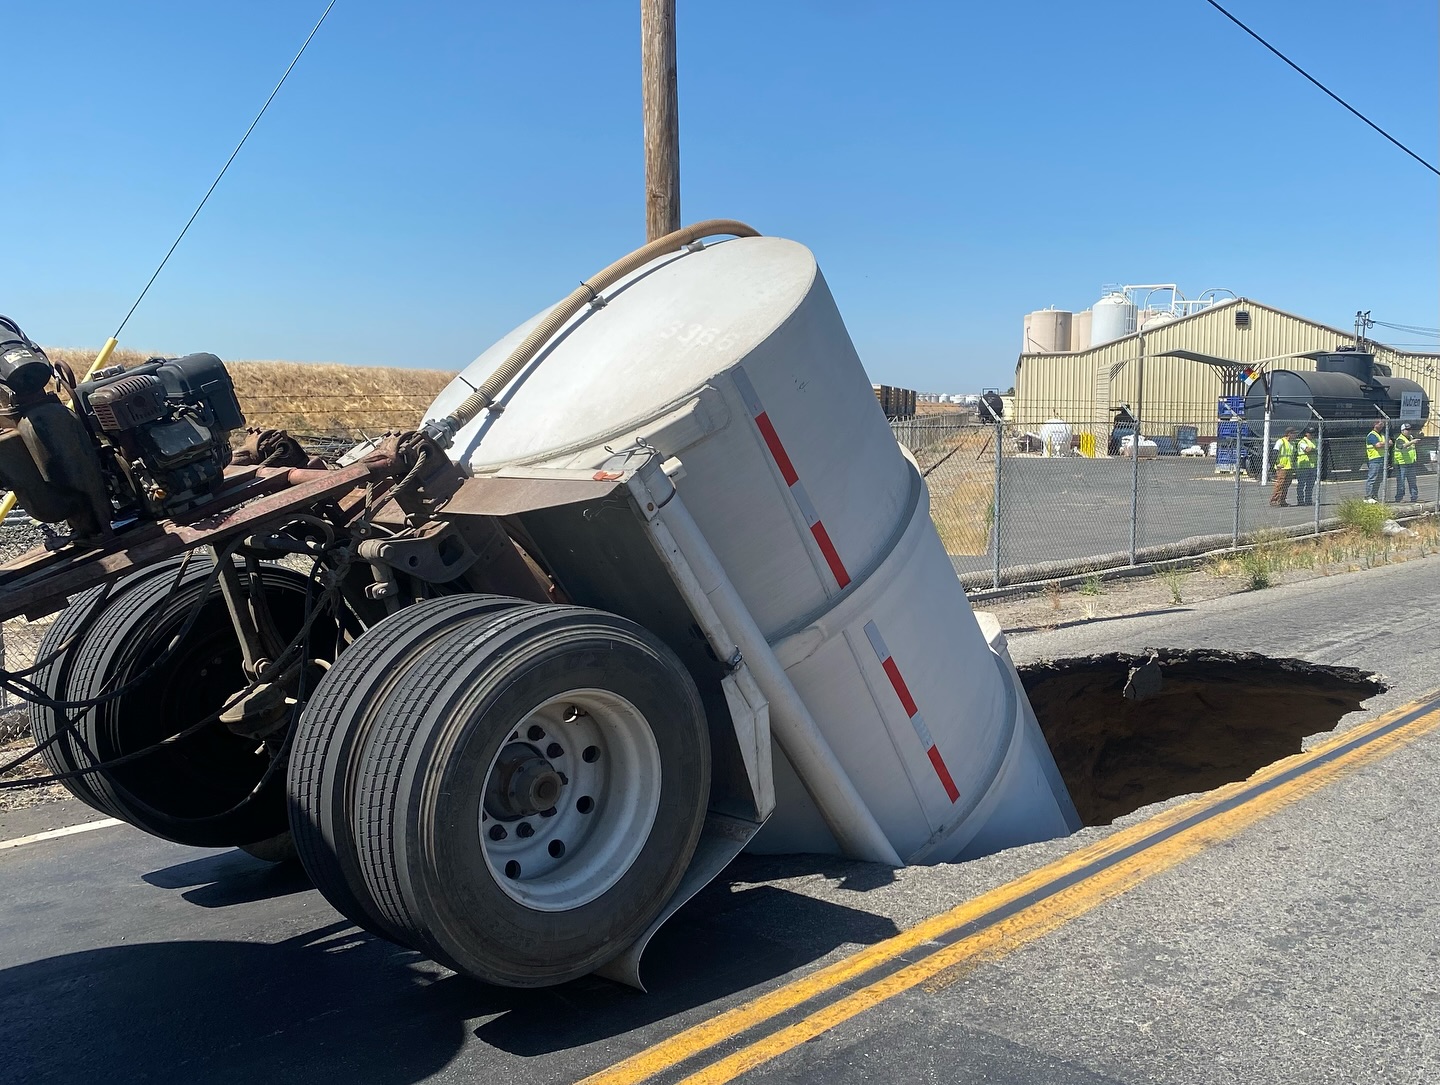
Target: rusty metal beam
x,y
40,582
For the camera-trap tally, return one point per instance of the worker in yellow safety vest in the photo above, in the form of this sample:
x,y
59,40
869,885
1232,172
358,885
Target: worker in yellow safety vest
x,y
1284,469
1306,459
1405,464
1377,445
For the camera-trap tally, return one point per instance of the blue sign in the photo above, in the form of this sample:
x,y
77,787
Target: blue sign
x,y
1230,407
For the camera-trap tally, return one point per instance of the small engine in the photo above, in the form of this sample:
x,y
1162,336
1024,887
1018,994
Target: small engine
x,y
143,443
170,422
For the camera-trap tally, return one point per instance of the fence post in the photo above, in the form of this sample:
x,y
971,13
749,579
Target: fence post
x,y
1319,469
1135,454
995,505
1239,429
1385,466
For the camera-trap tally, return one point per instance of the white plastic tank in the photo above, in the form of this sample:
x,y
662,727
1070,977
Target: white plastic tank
x,y
1112,317
734,359
1056,435
1154,318
1047,331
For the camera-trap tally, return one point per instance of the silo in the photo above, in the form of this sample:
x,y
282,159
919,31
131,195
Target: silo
x,y
1113,316
1080,330
1047,331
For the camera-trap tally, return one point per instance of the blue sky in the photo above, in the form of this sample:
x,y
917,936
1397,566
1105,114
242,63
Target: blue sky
x,y
433,173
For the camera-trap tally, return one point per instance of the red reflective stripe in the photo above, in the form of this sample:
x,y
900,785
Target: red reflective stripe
x,y
944,773
777,450
901,689
832,558
792,481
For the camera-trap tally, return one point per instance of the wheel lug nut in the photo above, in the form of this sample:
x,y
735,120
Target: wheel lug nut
x,y
497,832
554,750
524,831
536,733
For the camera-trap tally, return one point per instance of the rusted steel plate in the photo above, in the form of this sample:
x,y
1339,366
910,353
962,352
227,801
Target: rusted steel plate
x,y
512,496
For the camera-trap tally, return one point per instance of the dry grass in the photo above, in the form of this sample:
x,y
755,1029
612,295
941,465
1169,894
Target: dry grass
x,y
316,398
962,489
936,410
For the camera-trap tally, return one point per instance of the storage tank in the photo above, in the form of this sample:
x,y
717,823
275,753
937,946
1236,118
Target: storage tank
x,y
734,359
1112,317
1154,318
1055,436
1047,331
1080,330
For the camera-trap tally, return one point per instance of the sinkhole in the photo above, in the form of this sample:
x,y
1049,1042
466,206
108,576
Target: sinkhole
x,y
1131,730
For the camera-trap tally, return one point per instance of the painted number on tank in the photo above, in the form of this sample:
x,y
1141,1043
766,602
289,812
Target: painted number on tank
x,y
696,335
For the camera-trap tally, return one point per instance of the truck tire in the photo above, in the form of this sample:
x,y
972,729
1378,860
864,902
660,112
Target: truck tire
x,y
580,709
53,678
211,789
332,731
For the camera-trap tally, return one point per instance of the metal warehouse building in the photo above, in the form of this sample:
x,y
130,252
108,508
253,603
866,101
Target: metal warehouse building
x,y
1082,387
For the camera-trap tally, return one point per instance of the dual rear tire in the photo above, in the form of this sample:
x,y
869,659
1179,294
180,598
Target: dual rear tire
x,y
513,789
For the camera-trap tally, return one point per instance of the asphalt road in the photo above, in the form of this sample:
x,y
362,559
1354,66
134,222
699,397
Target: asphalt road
x,y
1302,947
1071,507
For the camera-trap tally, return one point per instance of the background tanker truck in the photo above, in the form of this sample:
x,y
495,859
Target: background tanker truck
x,y
652,584
1349,391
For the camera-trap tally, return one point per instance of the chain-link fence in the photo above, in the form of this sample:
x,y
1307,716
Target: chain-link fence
x,y
1016,503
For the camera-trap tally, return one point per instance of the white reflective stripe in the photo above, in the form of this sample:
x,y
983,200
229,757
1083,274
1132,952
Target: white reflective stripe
x,y
920,729
877,641
747,392
802,499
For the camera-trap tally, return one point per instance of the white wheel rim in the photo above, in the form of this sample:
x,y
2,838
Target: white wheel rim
x,y
604,752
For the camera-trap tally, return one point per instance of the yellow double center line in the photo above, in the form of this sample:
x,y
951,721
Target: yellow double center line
x,y
1019,912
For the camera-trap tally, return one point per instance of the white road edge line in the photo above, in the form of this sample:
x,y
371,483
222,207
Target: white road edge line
x,y
51,834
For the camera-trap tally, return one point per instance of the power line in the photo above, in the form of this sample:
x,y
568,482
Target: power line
x,y
1323,87
221,174
1414,329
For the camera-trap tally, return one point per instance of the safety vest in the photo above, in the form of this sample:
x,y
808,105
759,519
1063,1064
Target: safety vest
x,y
1305,454
1283,452
1404,450
1374,450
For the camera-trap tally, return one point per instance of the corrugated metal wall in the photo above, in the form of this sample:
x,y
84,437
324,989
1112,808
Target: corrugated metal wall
x,y
1083,386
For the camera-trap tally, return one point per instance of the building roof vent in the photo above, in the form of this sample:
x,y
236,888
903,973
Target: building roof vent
x,y
1242,318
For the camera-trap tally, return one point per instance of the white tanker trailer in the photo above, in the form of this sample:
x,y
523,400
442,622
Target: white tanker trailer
x,y
671,592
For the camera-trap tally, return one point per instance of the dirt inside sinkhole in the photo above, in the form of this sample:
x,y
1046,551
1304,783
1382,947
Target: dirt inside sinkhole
x,y
1131,730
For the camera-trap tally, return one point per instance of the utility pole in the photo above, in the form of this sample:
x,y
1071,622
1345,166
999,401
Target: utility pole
x,y
1363,323
662,117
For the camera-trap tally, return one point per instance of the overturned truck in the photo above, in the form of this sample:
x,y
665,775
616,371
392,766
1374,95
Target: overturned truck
x,y
651,585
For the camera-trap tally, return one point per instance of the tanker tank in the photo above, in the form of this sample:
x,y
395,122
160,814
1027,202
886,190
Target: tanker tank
x,y
1348,390
732,359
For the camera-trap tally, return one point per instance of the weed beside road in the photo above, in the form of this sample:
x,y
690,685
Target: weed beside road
x,y
1273,559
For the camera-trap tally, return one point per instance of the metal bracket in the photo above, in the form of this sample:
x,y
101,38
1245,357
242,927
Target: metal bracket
x,y
436,553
